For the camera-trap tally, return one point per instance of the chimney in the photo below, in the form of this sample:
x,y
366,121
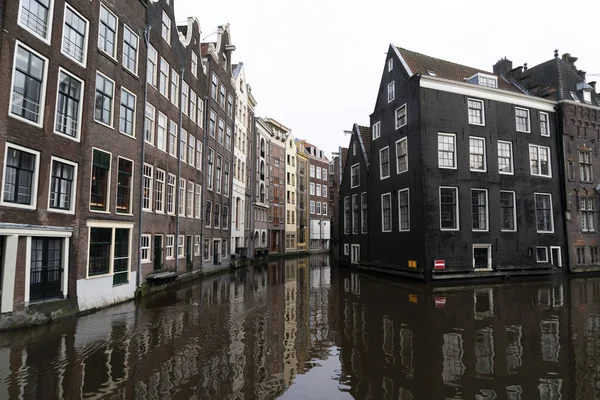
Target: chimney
x,y
502,67
593,85
570,61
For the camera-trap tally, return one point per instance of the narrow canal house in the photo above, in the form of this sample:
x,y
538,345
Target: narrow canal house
x,y
320,224
261,203
71,137
335,178
474,186
302,196
216,58
291,207
353,198
578,133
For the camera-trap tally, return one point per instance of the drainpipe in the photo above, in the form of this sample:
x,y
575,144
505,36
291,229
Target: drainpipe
x,y
178,152
138,278
204,163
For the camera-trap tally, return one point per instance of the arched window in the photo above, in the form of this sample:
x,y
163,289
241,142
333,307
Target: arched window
x,y
262,170
262,147
264,239
262,193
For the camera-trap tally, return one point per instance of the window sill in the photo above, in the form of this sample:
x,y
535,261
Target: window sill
x,y
21,206
59,211
69,137
108,56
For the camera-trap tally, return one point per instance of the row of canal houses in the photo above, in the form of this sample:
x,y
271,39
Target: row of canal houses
x,y
464,173
131,151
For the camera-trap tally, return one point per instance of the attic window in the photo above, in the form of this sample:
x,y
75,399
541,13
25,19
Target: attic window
x,y
432,73
484,80
587,96
574,96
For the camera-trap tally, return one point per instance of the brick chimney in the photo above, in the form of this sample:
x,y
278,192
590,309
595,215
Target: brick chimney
x,y
570,61
593,85
502,67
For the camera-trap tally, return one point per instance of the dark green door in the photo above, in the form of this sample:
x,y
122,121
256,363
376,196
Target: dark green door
x,y
158,252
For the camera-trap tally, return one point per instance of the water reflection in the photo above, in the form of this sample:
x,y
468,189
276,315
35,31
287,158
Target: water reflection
x,y
301,329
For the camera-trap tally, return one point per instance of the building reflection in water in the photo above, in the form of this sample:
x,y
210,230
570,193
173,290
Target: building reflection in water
x,y
256,332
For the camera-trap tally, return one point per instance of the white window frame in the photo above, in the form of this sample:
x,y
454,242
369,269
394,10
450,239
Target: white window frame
x,y
148,167
48,37
312,171
34,178
318,207
131,188
165,89
189,206
171,247
160,210
137,53
77,137
86,37
153,81
547,133
355,254
391,91
514,197
175,193
346,249
381,176
312,207
487,211
42,100
489,260
194,64
528,120
482,123
537,259
456,208
198,201
402,107
73,194
352,185
162,144
407,190
390,64
323,209
482,139
538,147
551,211
174,87
112,103
166,22
113,226
172,138
108,10
512,166
376,130
197,245
382,216
180,246
453,136
133,123
404,139
150,110
147,259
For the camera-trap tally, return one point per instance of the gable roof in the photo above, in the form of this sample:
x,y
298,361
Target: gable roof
x,y
344,157
421,64
365,137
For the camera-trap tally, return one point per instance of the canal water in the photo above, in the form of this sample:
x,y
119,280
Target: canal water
x,y
306,329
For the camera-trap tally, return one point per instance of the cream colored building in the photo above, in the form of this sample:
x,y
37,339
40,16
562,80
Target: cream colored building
x,y
290,195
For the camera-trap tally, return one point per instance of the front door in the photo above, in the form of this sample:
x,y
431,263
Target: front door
x,y
216,252
555,254
481,257
158,252
188,253
45,279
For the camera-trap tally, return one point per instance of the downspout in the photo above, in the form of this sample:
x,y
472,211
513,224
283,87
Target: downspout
x,y
178,202
138,278
204,162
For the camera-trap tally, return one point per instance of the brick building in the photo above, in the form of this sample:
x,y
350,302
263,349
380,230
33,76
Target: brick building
x,y
318,182
335,178
302,196
262,160
277,185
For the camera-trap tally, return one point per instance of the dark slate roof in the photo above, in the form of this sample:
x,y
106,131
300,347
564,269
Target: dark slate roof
x,y
365,134
421,64
344,157
555,80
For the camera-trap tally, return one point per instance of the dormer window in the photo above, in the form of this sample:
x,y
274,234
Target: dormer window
x,y
587,96
574,96
484,80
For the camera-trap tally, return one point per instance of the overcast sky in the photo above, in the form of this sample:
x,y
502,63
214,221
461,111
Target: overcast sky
x,y
315,66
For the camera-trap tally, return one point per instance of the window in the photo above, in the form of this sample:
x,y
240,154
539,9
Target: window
x,y
354,176
386,212
210,162
193,106
390,64
163,78
479,212
151,72
522,119
200,115
130,49
311,188
346,214
180,248
206,254
127,116
63,181
171,179
170,242
402,155
318,170
404,209
449,209
226,178
198,201
190,199
384,163
100,180
217,221
68,104
229,105
401,116
354,148
570,170
324,175
149,116
28,85
580,255
218,175
147,187
124,186
35,16
363,212
174,88
166,28
222,97
447,150
318,187
544,124
318,204
159,191
346,249
103,243
539,157
505,157
226,217
586,207
214,83
105,91
585,166
312,207
185,93
376,130
324,190
208,211
197,245
181,210
594,255
391,91
477,154
212,123
194,65
355,215
574,97
145,248
312,171
183,145
199,155
541,254
161,132
228,138
509,215
20,176
543,213
323,210
172,138
191,150
476,113
74,39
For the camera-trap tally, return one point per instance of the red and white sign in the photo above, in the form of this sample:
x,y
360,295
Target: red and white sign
x,y
440,302
439,264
